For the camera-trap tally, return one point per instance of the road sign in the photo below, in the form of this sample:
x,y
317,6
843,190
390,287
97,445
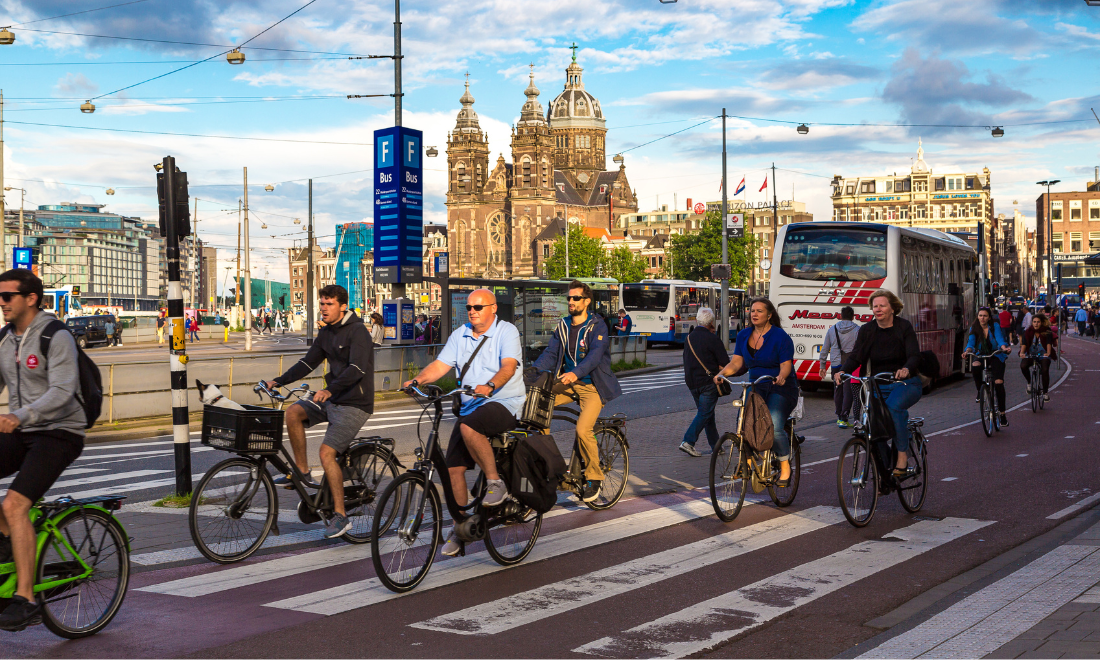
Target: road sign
x,y
735,225
700,208
720,271
23,257
441,263
398,206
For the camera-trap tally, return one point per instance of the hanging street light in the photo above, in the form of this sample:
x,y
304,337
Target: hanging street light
x,y
618,158
235,57
110,191
7,38
803,129
263,225
432,152
269,187
998,132
87,107
297,221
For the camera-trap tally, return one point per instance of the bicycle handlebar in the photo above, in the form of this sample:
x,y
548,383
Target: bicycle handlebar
x,y
745,383
414,388
274,394
993,354
884,377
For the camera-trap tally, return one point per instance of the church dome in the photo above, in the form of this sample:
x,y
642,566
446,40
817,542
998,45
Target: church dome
x,y
531,114
574,103
467,121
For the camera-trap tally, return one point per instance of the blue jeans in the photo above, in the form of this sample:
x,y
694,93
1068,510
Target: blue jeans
x,y
900,397
706,398
780,408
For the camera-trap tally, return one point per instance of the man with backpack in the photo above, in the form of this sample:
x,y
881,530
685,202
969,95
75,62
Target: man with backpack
x,y
839,342
44,431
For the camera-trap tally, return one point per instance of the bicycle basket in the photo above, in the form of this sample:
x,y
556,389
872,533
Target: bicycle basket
x,y
254,430
538,408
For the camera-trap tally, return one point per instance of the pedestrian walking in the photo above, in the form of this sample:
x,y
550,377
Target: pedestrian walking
x,y
704,356
839,341
420,330
377,330
1082,318
160,328
279,321
192,329
267,323
109,330
1007,323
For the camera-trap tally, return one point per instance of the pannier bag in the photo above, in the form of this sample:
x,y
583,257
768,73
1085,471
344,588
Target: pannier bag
x,y
538,409
537,467
757,428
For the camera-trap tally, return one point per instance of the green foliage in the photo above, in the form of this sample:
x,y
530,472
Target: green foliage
x,y
175,501
588,258
691,255
623,365
623,265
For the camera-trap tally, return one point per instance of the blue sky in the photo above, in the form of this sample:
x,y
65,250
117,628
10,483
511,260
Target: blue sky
x,y
656,68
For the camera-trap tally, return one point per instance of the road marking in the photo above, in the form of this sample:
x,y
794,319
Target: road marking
x,y
949,479
67,473
445,573
1070,437
553,599
1021,455
83,481
986,620
140,485
1074,508
142,454
702,626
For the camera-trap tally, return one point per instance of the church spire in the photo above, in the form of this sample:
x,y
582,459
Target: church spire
x,y
467,118
532,109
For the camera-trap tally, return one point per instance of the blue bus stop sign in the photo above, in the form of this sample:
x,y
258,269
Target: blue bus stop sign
x,y
23,257
398,206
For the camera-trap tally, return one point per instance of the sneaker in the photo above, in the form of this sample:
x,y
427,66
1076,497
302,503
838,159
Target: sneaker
x,y
1004,420
337,526
1029,388
592,490
977,397
843,423
6,555
19,614
689,450
1046,397
495,494
452,547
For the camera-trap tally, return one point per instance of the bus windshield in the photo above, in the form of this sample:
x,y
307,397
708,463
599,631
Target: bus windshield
x,y
819,253
645,297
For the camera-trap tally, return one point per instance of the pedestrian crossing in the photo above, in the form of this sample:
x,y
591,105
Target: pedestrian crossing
x,y
339,579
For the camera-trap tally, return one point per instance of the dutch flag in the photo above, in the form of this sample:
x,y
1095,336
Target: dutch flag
x,y
740,187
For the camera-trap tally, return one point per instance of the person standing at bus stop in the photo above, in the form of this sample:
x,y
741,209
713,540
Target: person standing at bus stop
x,y
839,342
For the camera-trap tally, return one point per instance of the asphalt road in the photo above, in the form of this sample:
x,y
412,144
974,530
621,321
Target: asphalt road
x,y
654,576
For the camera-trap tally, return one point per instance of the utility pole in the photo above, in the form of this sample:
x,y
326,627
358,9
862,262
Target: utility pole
x,y
724,301
237,295
775,227
247,273
195,254
309,270
177,347
397,63
3,228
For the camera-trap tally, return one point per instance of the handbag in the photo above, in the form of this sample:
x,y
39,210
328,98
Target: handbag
x,y
756,426
724,388
456,400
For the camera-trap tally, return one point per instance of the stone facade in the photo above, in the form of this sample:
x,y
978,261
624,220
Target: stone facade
x,y
496,215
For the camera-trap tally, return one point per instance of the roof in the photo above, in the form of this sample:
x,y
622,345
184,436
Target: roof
x,y
565,192
657,241
552,231
596,198
597,232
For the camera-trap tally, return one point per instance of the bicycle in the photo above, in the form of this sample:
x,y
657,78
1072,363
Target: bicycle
x,y
1038,400
614,454
735,466
82,566
987,402
863,460
235,506
403,557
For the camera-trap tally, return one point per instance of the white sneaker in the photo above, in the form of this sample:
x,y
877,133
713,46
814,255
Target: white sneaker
x,y
495,494
452,547
689,450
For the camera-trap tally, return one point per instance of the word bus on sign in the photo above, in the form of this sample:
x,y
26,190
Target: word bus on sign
x,y
398,206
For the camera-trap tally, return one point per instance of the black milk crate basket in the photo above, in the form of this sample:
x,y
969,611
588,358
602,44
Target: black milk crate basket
x,y
254,430
538,408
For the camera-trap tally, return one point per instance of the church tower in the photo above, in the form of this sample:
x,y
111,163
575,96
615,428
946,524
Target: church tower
x,y
578,128
532,193
467,170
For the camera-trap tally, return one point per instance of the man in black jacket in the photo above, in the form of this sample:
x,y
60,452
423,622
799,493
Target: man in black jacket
x,y
345,404
704,356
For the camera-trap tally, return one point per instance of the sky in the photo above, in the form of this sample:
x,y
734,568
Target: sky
x,y
663,72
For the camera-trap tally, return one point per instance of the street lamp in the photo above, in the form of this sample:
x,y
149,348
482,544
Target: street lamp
x,y
432,152
235,57
87,107
6,37
110,191
998,132
1050,238
269,187
803,129
618,158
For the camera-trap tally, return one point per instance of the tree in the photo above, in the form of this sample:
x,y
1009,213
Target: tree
x,y
585,255
691,255
623,265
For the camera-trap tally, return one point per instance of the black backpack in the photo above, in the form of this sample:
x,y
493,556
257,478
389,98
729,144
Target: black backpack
x,y
536,470
91,383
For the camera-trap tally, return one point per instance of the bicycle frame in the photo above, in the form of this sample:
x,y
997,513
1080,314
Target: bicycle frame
x,y
765,456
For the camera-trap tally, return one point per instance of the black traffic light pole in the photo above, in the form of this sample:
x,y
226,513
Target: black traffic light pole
x,y
172,196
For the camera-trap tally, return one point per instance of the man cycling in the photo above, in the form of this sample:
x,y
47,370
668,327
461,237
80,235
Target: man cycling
x,y
577,354
486,352
345,404
41,435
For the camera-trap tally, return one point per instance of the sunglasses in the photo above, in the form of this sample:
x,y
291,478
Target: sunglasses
x,y
8,295
478,308
575,298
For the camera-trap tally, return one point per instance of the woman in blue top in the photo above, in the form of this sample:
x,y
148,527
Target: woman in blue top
x,y
767,350
986,337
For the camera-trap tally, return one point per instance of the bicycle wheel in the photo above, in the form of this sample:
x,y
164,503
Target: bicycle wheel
x,y
403,555
232,510
912,490
727,478
510,541
84,607
369,470
1035,394
615,463
985,409
857,482
783,497
1042,397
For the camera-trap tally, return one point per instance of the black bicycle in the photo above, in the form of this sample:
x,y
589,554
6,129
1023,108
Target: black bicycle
x,y
988,412
409,525
735,467
1038,394
866,467
236,505
614,453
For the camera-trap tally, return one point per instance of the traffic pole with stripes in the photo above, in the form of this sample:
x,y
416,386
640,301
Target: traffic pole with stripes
x,y
177,349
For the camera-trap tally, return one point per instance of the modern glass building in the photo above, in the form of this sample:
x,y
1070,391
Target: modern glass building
x,y
354,241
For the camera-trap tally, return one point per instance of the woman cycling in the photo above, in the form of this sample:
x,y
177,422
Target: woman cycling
x,y
985,337
767,350
1037,344
890,344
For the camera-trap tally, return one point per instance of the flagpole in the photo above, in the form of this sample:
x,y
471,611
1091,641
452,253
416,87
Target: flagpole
x,y
724,301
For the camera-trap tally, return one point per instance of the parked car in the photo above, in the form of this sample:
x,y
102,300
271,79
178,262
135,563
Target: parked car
x,y
89,330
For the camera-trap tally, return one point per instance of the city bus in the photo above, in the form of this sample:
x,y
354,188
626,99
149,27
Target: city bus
x,y
824,266
664,310
62,302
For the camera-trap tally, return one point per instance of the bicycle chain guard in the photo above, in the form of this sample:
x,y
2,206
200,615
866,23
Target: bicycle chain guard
x,y
472,529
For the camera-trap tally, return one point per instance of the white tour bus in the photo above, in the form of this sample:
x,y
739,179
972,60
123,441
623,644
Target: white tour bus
x,y
664,310
824,266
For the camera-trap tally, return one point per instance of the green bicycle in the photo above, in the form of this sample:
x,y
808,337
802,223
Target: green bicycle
x,y
83,565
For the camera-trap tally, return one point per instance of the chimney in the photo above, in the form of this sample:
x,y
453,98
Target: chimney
x,y
689,204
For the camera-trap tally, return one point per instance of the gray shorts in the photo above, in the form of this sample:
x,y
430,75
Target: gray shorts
x,y
344,422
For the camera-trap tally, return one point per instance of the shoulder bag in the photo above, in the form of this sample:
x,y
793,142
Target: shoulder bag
x,y
843,355
456,400
724,388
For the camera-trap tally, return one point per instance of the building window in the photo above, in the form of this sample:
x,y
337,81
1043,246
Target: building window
x,y
1094,213
1056,242
867,187
850,189
939,184
1075,210
1056,214
1075,242
1094,241
970,183
889,186
545,250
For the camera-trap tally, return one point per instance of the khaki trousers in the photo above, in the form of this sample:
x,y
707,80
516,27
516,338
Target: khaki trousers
x,y
591,405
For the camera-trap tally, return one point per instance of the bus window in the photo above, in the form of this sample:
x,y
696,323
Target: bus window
x,y
645,297
854,255
942,284
48,302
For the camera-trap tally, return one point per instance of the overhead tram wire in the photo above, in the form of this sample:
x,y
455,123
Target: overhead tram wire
x,y
218,137
192,43
251,59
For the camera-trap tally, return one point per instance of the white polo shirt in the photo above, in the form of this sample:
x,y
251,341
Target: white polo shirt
x,y
503,342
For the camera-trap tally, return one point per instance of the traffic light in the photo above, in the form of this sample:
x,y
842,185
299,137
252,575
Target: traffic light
x,y
282,300
182,214
1081,290
996,290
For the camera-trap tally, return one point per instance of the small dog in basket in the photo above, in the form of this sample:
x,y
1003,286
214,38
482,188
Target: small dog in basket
x,y
212,396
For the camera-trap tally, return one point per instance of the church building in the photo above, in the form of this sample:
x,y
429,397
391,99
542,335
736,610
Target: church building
x,y
502,217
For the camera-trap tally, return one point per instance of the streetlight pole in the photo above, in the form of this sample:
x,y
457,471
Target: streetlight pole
x,y
309,271
3,230
1050,239
723,302
22,199
247,272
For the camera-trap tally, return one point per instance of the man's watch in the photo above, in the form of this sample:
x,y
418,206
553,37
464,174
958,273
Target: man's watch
x,y
492,385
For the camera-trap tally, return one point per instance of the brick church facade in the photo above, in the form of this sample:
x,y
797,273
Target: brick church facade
x,y
502,216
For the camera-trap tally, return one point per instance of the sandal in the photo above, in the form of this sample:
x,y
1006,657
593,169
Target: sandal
x,y
901,472
783,483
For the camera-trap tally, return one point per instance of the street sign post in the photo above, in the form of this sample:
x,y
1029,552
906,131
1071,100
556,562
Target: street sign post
x,y
398,206
735,225
441,262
